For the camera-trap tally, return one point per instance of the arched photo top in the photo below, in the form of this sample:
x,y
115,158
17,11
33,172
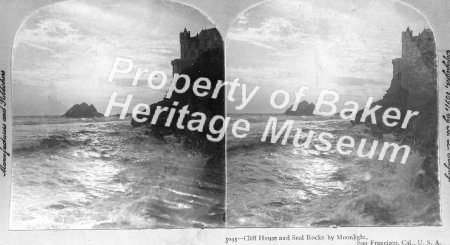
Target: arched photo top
x,y
332,73
64,52
87,155
343,46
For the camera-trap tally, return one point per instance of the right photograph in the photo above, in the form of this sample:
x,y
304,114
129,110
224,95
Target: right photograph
x,y
344,124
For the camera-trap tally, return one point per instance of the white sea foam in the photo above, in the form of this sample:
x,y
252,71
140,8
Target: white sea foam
x,y
104,174
274,185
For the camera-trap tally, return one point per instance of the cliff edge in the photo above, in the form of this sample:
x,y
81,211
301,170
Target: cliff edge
x,y
414,87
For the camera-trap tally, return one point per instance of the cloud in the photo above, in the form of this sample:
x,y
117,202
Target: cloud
x,y
347,45
69,47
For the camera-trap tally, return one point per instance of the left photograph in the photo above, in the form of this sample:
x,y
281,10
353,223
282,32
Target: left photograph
x,y
80,160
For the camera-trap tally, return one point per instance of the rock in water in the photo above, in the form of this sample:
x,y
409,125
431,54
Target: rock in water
x,y
303,109
82,110
209,65
414,87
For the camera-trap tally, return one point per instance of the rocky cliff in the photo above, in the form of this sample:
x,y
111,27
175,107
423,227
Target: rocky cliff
x,y
209,65
414,87
82,110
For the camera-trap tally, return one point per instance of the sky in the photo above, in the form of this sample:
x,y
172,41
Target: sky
x,y
63,53
345,46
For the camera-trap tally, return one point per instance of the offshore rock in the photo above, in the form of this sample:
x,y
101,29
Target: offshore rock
x,y
82,110
303,109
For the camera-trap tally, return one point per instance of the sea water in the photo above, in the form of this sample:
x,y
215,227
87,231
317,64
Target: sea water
x,y
274,185
102,173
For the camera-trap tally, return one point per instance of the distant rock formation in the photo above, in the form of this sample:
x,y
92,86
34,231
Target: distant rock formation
x,y
82,110
126,115
414,87
303,109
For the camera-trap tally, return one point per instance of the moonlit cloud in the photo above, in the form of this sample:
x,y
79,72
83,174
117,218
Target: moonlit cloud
x,y
66,50
345,46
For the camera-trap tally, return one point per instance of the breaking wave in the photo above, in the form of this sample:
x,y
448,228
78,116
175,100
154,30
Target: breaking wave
x,y
106,174
274,185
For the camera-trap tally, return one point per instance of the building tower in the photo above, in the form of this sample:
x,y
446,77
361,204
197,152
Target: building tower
x,y
191,48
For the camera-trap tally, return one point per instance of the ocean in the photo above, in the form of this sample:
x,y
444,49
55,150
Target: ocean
x,y
274,185
104,174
